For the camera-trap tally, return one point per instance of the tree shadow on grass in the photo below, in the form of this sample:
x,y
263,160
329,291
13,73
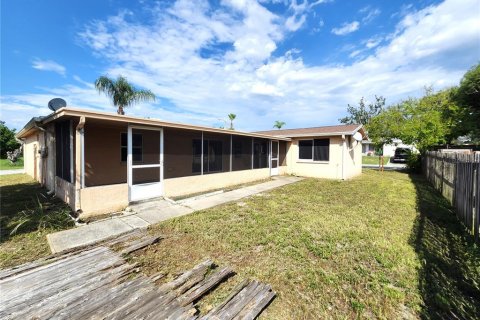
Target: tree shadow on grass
x,y
450,273
26,207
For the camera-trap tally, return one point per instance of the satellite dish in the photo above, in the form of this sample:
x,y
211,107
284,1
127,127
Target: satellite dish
x,y
358,136
56,104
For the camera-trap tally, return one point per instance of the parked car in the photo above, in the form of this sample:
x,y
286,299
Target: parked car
x,y
401,155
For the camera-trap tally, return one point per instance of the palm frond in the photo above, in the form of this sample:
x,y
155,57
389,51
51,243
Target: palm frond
x,y
143,95
121,92
106,85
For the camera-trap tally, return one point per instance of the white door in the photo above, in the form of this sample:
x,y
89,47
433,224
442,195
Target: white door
x,y
274,147
145,162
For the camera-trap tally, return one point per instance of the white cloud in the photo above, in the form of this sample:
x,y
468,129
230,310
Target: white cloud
x,y
48,65
373,42
434,46
370,15
346,28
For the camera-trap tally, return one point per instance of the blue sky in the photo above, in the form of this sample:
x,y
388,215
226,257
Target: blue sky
x,y
298,62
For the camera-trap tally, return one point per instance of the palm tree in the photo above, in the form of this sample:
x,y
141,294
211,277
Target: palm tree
x,y
232,117
279,124
121,92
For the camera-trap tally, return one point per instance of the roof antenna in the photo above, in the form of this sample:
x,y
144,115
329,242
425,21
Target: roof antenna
x,y
56,103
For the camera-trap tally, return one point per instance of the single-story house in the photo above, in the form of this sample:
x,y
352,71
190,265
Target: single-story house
x,y
99,162
388,150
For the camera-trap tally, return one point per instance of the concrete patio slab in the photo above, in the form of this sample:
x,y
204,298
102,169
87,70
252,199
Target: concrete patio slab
x,y
135,221
155,215
86,235
150,212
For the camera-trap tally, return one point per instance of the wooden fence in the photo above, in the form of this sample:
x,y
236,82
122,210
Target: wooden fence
x,y
457,177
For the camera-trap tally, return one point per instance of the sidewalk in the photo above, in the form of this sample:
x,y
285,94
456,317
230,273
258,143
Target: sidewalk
x,y
12,171
151,212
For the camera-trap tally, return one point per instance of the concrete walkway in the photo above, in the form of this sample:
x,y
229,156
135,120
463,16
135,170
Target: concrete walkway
x,y
12,171
151,212
388,166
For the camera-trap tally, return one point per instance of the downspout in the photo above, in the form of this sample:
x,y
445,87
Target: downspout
x,y
79,163
343,156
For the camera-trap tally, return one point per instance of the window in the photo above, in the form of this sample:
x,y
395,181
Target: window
x,y
212,156
137,147
62,150
260,154
305,149
314,150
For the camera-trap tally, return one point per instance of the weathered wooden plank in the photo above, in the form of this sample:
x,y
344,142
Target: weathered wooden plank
x,y
140,244
203,287
97,283
157,276
48,307
200,268
236,305
257,304
232,294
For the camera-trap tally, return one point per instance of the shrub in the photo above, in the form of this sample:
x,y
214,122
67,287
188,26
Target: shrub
x,y
414,162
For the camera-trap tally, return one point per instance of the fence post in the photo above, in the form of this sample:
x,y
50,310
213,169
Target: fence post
x,y
476,225
442,163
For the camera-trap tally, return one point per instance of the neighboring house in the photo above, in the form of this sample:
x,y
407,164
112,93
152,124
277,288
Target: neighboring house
x,y
98,162
388,149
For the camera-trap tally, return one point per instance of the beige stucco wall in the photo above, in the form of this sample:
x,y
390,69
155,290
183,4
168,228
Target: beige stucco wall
x,y
353,160
41,169
30,156
65,191
331,169
176,187
103,199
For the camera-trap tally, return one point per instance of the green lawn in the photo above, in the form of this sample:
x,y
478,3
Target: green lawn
x,y
28,214
5,164
384,245
373,159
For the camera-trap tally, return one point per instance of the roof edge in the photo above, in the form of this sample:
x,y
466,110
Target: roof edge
x,y
68,111
31,125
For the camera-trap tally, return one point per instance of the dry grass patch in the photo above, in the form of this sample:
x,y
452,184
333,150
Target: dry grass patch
x,y
28,214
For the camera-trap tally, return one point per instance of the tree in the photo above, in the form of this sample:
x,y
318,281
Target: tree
x,y
7,140
363,113
122,93
279,124
468,97
232,117
422,122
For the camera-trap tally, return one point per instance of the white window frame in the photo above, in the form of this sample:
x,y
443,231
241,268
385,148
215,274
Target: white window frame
x,y
313,151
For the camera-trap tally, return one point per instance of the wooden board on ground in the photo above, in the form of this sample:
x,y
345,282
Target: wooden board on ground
x,y
97,282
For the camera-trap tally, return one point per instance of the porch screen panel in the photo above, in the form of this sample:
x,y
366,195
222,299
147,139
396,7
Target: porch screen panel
x,y
145,151
216,153
145,175
62,150
282,156
260,153
182,153
242,153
